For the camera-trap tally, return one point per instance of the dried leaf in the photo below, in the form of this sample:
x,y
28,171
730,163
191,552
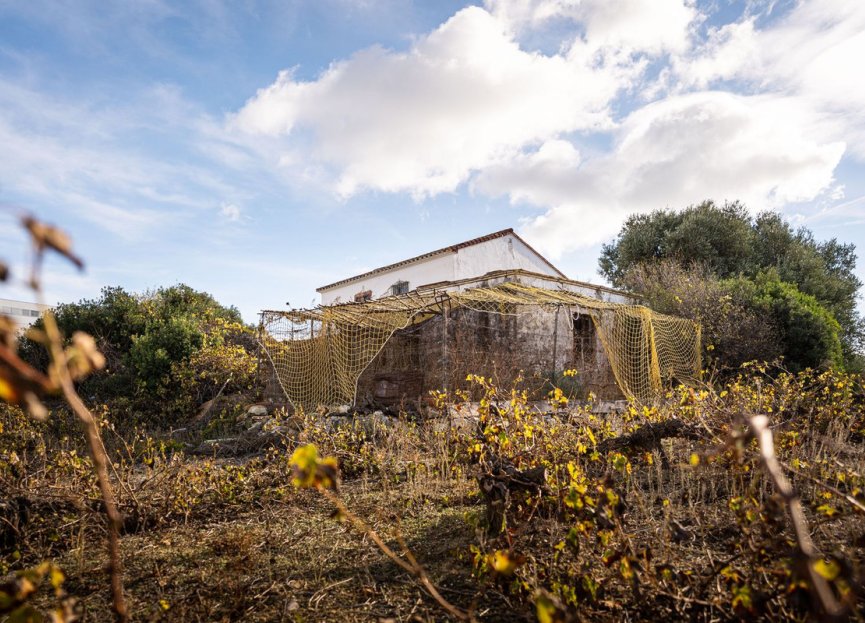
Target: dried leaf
x,y
35,407
46,236
18,380
87,345
8,331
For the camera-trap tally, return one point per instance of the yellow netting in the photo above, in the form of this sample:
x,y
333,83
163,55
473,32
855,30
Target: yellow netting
x,y
319,354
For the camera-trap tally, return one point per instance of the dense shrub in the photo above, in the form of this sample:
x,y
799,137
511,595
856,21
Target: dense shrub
x,y
729,244
743,319
733,330
809,334
163,343
167,350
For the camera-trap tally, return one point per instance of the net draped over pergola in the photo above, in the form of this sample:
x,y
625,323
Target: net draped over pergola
x,y
319,354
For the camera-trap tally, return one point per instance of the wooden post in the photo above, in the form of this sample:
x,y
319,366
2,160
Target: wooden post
x,y
555,340
445,354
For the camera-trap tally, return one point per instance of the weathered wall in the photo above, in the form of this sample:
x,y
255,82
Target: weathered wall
x,y
430,270
539,343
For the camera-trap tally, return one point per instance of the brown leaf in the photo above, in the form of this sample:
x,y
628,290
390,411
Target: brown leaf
x,y
82,356
4,272
18,380
8,331
46,236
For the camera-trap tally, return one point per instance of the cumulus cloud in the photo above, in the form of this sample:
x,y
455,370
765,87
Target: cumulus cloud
x,y
678,151
811,53
461,99
761,109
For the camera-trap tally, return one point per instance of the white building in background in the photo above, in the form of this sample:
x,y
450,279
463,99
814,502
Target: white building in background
x,y
502,250
488,259
24,314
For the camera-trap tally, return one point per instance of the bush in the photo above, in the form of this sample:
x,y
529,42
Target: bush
x,y
743,319
163,343
733,330
167,350
810,337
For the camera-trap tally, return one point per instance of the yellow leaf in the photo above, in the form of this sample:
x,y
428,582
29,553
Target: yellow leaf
x,y
57,577
829,569
546,610
503,562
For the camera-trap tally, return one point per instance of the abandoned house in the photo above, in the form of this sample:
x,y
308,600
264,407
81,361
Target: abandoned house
x,y
491,306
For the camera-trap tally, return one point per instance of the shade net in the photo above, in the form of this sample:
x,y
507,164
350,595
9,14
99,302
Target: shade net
x,y
319,354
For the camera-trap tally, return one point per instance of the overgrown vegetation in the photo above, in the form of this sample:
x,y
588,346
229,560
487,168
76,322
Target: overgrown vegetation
x,y
742,498
680,523
167,352
801,292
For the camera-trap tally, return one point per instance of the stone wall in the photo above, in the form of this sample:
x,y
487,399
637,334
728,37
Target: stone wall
x,y
540,343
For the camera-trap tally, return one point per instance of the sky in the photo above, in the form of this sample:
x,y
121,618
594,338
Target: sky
x,y
259,149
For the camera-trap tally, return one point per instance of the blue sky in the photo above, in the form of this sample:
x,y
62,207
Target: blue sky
x,y
257,150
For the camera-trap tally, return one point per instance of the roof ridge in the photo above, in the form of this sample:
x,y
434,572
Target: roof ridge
x,y
448,249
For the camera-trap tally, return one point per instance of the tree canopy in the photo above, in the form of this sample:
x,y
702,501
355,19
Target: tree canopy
x,y
729,244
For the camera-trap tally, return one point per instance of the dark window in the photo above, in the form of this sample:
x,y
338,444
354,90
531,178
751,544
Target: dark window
x,y
584,340
363,297
400,287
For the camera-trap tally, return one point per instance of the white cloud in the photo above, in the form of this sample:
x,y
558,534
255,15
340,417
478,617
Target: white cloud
x,y
651,26
713,145
83,158
466,104
230,211
812,53
461,99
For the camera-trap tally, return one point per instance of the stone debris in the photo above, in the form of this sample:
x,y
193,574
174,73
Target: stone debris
x,y
260,428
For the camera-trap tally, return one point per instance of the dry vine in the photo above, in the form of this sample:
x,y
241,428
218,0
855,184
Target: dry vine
x,y
23,385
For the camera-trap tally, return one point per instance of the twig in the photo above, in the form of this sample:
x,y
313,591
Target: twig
x,y
412,566
853,501
100,463
760,428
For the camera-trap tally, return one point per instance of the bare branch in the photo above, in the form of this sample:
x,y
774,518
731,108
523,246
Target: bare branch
x,y
760,428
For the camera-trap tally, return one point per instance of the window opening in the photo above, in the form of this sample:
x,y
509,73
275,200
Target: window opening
x,y
400,287
584,340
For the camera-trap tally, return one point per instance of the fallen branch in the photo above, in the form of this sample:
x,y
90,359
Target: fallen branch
x,y
649,436
500,482
829,604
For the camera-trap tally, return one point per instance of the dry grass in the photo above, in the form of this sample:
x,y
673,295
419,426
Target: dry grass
x,y
232,540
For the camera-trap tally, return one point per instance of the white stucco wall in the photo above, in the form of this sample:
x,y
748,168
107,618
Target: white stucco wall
x,y
430,270
477,260
503,253
24,314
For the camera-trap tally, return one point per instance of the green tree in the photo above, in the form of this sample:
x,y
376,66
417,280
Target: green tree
x,y
729,244
160,347
720,238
